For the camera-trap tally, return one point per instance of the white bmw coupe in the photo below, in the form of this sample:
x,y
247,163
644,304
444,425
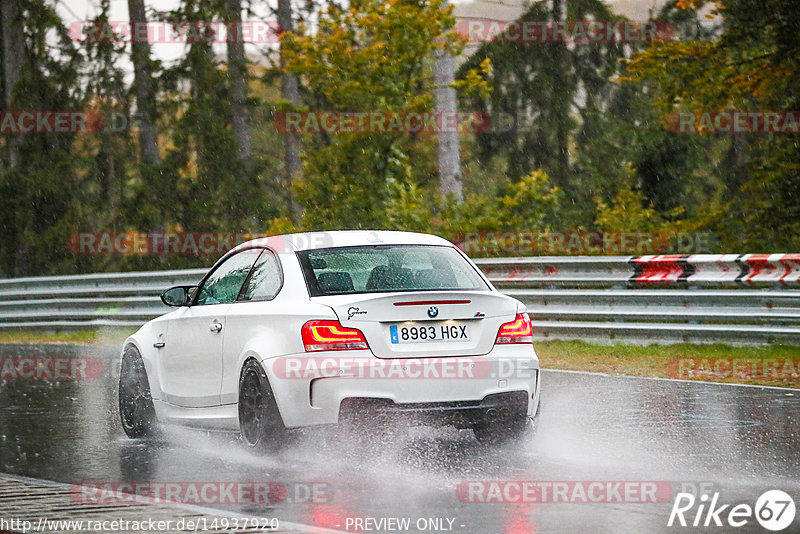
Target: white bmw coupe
x,y
320,328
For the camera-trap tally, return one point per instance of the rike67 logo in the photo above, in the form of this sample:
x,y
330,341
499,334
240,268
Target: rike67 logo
x,y
774,510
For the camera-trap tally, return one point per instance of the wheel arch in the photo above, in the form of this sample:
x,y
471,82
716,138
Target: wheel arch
x,y
149,356
251,355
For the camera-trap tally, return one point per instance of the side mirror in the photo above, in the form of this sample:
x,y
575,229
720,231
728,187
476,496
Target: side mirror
x,y
178,295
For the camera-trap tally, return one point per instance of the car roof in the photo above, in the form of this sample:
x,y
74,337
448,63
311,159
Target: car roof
x,y
343,238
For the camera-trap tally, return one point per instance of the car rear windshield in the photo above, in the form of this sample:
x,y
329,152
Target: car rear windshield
x,y
385,268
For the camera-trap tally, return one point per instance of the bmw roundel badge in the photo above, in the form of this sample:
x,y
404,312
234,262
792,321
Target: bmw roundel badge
x,y
433,311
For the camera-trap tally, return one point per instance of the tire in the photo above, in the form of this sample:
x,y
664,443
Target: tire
x,y
136,411
260,424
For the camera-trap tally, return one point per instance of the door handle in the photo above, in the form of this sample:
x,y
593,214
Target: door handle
x,y
160,343
215,326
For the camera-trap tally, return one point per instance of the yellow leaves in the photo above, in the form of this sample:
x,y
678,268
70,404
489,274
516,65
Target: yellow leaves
x,y
529,203
486,67
476,81
281,226
692,71
374,55
625,213
694,4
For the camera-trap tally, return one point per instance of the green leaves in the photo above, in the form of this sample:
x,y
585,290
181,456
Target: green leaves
x,y
373,56
751,64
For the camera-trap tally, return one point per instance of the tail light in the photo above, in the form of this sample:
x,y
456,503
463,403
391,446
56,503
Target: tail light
x,y
520,330
331,335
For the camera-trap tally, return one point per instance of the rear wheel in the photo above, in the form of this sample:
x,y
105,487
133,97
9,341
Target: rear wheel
x,y
137,414
260,423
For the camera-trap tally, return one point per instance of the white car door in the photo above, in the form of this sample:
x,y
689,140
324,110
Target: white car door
x,y
254,312
191,362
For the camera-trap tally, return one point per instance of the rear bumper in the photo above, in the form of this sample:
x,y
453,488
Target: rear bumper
x,y
460,414
459,399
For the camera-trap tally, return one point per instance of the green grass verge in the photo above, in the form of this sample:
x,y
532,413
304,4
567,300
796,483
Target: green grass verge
x,y
772,365
34,337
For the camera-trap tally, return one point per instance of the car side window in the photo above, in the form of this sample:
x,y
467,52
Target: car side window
x,y
223,285
266,280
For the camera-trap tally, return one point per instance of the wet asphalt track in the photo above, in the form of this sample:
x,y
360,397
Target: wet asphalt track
x,y
738,441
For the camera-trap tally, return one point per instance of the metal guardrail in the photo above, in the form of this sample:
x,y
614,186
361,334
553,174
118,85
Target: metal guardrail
x,y
87,301
740,299
700,270
702,298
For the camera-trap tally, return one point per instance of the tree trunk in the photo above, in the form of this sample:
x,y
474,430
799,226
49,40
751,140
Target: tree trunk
x,y
237,70
449,153
143,87
13,56
561,103
13,53
291,93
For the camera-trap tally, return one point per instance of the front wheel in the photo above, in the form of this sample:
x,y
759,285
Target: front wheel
x,y
260,423
136,410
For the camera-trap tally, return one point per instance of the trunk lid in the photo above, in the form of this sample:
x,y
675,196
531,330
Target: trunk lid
x,y
425,324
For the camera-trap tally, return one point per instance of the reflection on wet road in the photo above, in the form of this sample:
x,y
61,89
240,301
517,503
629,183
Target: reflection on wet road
x,y
738,441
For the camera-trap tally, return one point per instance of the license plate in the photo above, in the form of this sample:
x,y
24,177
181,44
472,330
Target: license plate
x,y
421,333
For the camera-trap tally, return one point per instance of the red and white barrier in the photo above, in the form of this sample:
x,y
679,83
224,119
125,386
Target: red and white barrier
x,y
697,269
659,269
714,268
771,268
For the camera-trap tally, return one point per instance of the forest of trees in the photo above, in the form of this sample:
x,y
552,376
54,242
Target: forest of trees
x,y
591,147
